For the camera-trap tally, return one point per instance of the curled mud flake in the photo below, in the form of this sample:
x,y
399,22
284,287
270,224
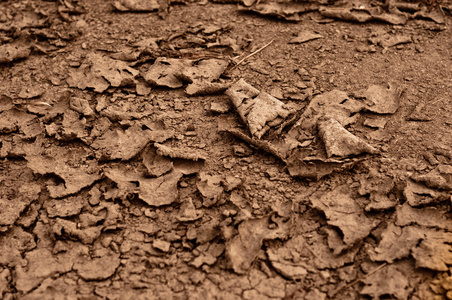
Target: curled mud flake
x,y
194,155
435,251
210,188
425,216
396,243
205,70
98,268
71,128
305,36
334,104
286,11
435,180
12,245
165,71
259,110
199,88
68,229
160,191
344,212
100,72
123,145
387,281
418,194
378,187
81,106
380,99
72,165
68,207
365,13
42,264
156,165
280,260
153,191
137,5
339,142
13,120
11,209
14,51
242,249
316,167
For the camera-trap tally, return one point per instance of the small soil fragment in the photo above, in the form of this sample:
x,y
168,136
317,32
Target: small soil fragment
x,y
419,114
375,123
188,212
161,245
378,187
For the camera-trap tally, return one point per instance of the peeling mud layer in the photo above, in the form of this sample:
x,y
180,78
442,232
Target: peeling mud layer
x,y
225,149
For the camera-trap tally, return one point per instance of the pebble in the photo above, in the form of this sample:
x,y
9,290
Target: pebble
x,y
161,245
150,214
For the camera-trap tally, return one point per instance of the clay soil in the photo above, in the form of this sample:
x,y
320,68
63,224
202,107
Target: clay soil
x,y
118,184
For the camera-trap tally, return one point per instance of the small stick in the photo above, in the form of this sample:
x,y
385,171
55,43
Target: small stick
x,y
254,53
263,145
357,280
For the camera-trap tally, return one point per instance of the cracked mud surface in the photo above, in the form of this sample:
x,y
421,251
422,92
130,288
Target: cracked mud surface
x,y
214,151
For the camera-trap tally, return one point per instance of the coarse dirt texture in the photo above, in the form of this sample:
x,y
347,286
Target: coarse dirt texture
x,y
212,150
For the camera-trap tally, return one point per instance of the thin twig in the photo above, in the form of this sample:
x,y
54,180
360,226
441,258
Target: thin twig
x,y
254,53
263,145
358,280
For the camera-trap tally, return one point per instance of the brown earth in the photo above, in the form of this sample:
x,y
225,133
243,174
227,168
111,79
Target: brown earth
x,y
135,162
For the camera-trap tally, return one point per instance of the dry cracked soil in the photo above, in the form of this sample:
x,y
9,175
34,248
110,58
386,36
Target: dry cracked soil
x,y
157,149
